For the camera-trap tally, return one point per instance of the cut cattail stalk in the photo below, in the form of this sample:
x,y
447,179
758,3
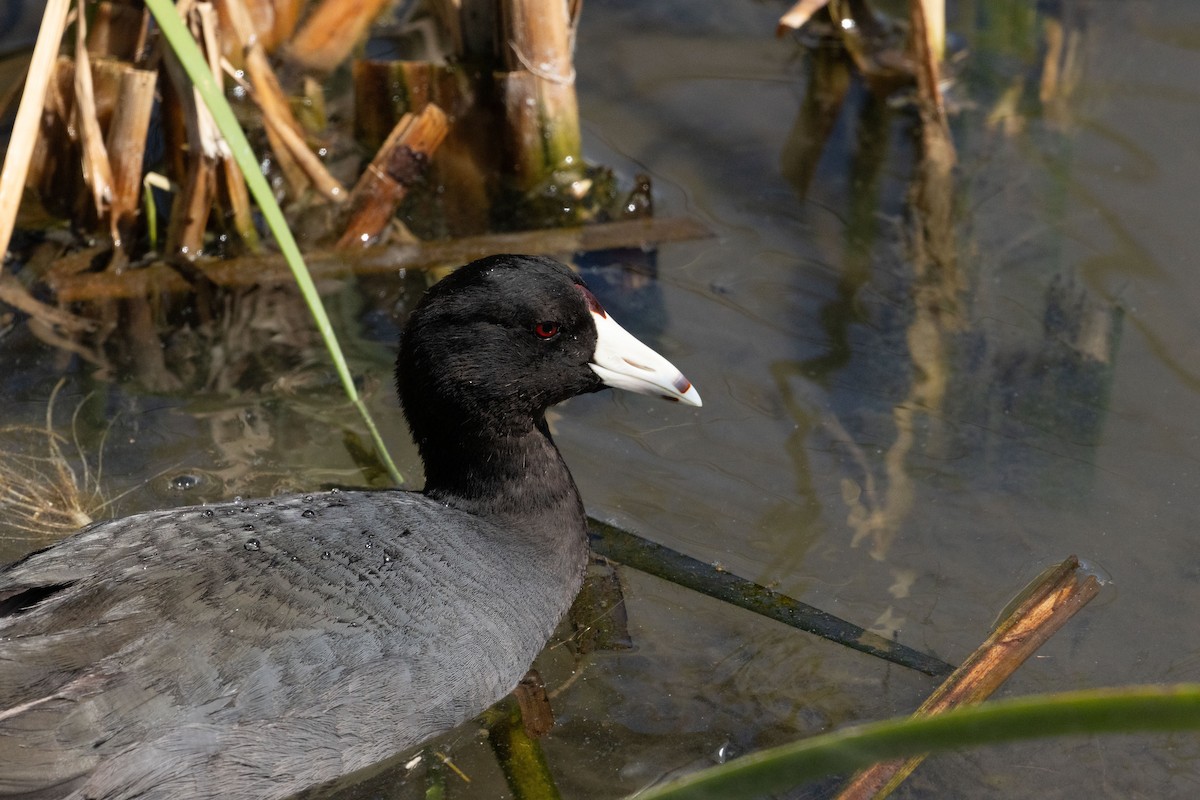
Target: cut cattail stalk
x,y
539,94
1044,608
331,31
126,144
464,171
400,163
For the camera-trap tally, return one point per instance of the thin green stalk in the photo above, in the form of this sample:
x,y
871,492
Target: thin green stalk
x,y
1124,710
185,49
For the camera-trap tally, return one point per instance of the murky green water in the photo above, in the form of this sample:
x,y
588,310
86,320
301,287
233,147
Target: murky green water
x,y
904,462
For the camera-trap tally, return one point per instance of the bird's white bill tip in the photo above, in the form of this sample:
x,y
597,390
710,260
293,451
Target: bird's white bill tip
x,y
623,362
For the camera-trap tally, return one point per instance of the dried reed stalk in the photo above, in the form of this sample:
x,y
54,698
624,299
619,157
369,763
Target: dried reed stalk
x,y
298,163
331,31
1045,608
399,164
231,181
798,15
309,162
274,20
541,108
191,207
934,14
96,167
106,88
196,164
29,112
54,163
232,185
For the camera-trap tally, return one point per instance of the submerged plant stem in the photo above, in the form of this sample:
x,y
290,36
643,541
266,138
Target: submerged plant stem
x,y
663,562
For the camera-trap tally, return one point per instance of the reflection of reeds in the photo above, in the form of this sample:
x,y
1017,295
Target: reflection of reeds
x,y
45,495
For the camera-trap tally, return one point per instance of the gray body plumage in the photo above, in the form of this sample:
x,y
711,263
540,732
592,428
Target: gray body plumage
x,y
267,645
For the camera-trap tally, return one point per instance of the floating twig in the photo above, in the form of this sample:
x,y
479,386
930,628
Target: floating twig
x,y
271,269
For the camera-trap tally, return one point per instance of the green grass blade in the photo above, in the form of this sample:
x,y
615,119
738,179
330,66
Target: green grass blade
x,y
1123,710
186,50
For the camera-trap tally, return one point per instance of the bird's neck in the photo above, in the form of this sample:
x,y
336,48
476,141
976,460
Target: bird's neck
x,y
522,475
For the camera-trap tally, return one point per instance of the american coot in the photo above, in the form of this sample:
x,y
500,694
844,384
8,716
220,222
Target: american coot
x,y
252,649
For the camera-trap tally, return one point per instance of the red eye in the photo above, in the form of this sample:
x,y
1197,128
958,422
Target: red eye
x,y
546,330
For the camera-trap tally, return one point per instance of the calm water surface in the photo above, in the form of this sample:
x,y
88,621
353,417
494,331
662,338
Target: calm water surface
x,y
904,462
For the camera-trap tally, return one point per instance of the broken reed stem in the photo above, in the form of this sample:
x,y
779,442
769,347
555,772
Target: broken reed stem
x,y
465,171
292,141
1057,597
29,113
126,144
933,12
401,162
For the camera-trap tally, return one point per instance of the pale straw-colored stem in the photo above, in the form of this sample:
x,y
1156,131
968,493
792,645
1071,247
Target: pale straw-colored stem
x,y
29,113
